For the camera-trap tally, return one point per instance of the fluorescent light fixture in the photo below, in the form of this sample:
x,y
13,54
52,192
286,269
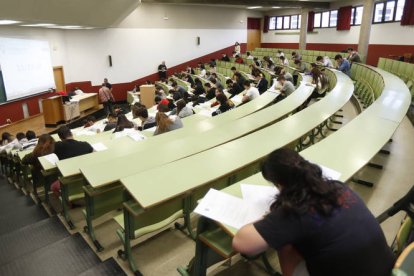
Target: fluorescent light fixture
x,y
71,27
277,7
254,7
8,22
39,25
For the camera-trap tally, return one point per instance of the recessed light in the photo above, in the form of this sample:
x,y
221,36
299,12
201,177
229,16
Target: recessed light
x,y
254,7
276,7
8,22
39,25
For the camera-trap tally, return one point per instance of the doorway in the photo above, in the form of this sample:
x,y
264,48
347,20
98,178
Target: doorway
x,y
254,33
59,78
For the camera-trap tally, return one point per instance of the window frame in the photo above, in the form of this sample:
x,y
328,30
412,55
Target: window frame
x,y
385,2
354,13
329,19
283,28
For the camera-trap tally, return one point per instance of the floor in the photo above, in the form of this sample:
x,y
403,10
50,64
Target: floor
x,y
161,253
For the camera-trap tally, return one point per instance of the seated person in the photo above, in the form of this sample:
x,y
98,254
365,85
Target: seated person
x,y
69,147
343,65
123,123
166,124
45,146
182,110
288,76
286,87
296,56
198,87
234,71
239,79
112,120
323,62
216,83
6,138
283,61
239,59
210,91
178,92
353,56
225,104
262,83
233,88
316,221
147,121
257,62
89,124
251,92
225,57
31,140
203,71
249,56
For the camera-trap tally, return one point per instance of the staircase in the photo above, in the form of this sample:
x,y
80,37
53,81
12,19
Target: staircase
x,y
32,243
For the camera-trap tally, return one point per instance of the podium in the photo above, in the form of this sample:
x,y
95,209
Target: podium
x,y
147,92
52,110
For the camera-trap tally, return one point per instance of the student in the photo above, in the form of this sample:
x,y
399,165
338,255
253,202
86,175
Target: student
x,y
31,140
240,80
6,138
343,65
251,92
249,56
203,71
262,84
198,87
216,83
321,83
233,88
237,48
123,123
147,121
288,76
353,56
234,71
166,124
225,57
162,71
257,62
287,87
225,104
283,61
316,220
112,120
300,68
69,147
182,110
280,53
210,91
45,146
296,56
239,59
178,91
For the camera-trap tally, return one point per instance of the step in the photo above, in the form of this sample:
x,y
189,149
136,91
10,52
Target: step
x,y
108,267
19,217
69,256
30,238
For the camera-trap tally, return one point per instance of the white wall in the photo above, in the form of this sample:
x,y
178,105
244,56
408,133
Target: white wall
x,y
332,36
280,36
392,33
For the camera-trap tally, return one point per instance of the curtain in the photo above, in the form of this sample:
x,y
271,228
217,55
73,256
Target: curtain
x,y
408,13
311,21
266,24
344,18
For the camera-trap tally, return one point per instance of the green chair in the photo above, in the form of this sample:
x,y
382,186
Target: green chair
x,y
404,266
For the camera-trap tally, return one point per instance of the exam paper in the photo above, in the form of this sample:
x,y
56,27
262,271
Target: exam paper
x,y
51,158
99,147
228,209
136,136
259,195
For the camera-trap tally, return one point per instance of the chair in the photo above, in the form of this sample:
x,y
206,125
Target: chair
x,y
381,63
403,235
405,262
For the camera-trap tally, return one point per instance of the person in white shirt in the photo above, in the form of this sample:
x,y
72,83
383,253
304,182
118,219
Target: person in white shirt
x,y
284,61
251,92
237,48
78,91
280,53
249,56
203,71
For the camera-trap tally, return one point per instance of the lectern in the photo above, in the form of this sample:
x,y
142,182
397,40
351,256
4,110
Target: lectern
x,y
147,95
52,110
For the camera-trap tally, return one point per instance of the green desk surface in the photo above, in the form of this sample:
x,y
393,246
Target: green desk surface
x,y
168,182
192,125
190,145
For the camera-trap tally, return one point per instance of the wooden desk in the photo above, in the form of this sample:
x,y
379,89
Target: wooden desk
x,y
86,101
52,110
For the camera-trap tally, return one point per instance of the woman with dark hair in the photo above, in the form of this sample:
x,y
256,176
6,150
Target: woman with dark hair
x,y
321,83
225,104
6,138
123,123
316,220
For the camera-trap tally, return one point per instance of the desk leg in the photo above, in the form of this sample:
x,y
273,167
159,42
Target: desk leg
x,y
65,207
187,218
89,214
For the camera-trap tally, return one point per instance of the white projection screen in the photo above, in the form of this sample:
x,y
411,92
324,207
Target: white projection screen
x,y
26,67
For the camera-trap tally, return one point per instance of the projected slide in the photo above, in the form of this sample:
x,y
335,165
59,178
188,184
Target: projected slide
x,y
26,67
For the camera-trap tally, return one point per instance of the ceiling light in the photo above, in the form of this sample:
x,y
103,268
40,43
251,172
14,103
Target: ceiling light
x,y
276,7
39,25
71,27
8,22
254,7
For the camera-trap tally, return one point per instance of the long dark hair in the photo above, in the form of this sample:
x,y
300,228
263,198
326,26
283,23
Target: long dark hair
x,y
45,145
303,188
123,123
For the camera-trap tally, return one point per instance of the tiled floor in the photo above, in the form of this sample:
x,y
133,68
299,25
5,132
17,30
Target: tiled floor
x,y
164,252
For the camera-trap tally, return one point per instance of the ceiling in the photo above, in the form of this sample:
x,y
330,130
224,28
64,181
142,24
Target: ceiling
x,y
73,14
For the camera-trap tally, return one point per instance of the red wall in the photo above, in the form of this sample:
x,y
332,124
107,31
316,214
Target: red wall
x,y
14,110
281,45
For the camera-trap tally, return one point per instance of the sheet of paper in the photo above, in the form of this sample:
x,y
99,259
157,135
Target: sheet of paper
x,y
227,209
260,196
205,112
51,158
330,173
99,147
136,136
237,99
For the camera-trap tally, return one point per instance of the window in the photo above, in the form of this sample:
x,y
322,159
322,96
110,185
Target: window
x,y
388,11
356,15
287,22
326,19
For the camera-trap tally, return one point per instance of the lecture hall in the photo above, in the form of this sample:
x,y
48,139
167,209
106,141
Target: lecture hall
x,y
186,137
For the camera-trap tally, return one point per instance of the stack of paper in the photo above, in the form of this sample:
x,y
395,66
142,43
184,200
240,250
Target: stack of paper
x,y
99,147
51,158
136,136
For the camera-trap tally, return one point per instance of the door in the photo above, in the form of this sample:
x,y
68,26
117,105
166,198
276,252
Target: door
x,y
254,33
59,78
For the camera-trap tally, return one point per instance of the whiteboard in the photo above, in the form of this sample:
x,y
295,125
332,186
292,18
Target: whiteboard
x,y
26,67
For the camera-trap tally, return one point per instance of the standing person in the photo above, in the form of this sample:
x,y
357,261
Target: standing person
x,y
107,84
237,48
316,222
342,65
106,98
162,71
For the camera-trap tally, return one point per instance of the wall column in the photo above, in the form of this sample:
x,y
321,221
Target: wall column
x,y
365,31
303,29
